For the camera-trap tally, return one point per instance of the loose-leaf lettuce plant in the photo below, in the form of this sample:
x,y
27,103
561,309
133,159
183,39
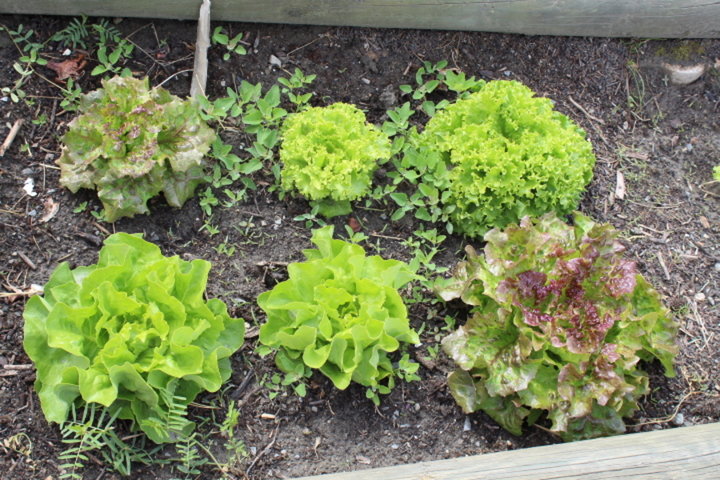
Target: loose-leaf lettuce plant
x,y
131,333
493,157
329,155
559,323
340,312
132,142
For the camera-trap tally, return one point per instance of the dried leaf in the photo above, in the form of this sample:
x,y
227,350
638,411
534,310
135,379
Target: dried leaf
x,y
51,208
70,68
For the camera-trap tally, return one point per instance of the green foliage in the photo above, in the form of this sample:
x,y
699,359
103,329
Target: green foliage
x,y
131,333
131,143
429,174
24,41
497,155
74,35
232,45
340,312
329,155
716,173
298,80
559,323
94,431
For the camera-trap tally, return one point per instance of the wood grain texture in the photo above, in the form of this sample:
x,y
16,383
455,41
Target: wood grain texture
x,y
689,453
606,18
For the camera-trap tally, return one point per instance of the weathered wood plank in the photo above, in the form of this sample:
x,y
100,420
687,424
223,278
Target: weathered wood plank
x,y
606,18
689,453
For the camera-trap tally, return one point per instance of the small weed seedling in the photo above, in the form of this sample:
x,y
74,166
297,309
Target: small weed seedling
x,y
232,45
23,40
297,81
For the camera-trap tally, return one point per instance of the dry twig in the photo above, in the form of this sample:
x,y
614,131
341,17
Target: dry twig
x,y
11,136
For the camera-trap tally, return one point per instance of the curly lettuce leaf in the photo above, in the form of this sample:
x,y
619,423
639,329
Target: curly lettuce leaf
x,y
132,142
509,155
559,323
130,333
329,155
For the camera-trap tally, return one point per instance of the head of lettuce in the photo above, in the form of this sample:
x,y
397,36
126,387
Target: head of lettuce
x,y
132,333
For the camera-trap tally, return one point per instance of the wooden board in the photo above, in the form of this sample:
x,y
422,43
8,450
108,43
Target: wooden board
x,y
605,18
689,453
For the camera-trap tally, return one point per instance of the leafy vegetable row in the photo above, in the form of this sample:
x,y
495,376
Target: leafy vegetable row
x,y
558,325
559,321
487,160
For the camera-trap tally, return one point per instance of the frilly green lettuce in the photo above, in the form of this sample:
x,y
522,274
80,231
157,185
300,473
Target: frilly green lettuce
x,y
508,155
133,142
329,155
559,323
129,333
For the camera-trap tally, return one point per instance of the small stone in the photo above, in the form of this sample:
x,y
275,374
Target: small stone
x,y
700,297
684,75
679,420
275,61
394,446
388,97
306,431
717,267
467,426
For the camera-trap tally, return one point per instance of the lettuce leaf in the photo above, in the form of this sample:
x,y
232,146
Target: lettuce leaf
x,y
132,333
559,323
340,313
329,155
133,142
508,154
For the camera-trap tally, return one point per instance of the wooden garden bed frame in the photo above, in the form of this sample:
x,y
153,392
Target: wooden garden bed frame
x,y
604,18
688,453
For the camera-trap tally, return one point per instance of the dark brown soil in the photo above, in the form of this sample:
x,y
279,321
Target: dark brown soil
x,y
664,139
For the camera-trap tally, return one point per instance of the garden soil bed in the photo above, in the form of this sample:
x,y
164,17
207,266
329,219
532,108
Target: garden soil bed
x,y
663,139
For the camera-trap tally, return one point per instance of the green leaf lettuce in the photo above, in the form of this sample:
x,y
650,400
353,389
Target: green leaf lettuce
x,y
508,155
339,312
129,333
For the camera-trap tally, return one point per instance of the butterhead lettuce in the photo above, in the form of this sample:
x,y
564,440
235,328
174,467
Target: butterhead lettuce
x,y
129,333
340,313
